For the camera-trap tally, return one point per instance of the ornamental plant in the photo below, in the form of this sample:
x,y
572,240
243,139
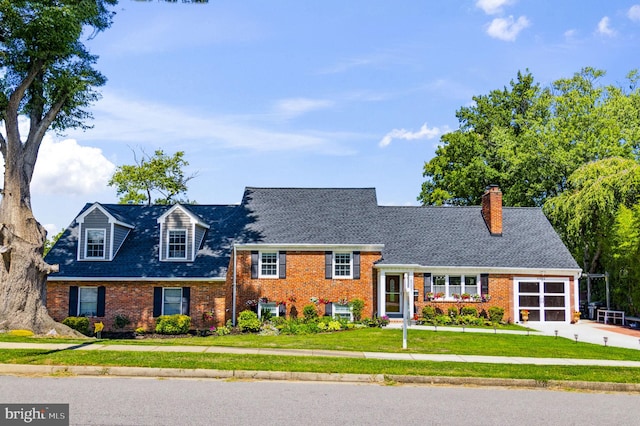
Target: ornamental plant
x,y
173,324
310,312
496,314
248,321
80,324
357,306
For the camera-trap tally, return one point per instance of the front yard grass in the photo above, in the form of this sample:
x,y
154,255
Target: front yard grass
x,y
105,358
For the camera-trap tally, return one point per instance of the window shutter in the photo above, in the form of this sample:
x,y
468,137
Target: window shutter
x,y
73,301
484,284
186,300
356,265
328,264
102,291
157,301
282,268
426,286
254,264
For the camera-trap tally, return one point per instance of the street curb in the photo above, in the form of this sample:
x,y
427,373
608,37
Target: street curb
x,y
200,373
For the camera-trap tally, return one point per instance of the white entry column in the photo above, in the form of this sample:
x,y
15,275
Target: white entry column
x,y
382,280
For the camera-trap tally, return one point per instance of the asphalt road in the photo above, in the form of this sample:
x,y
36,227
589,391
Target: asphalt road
x,y
134,401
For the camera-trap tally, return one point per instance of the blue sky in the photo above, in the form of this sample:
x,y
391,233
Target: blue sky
x,y
312,93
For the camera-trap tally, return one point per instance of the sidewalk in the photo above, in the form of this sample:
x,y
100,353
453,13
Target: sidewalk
x,y
587,331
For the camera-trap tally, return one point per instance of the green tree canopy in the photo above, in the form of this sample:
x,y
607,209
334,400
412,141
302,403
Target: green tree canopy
x,y
529,139
586,211
47,76
160,173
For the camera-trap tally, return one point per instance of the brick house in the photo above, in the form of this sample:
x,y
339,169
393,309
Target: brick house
x,y
280,248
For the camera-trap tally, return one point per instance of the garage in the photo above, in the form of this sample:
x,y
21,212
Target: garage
x,y
546,299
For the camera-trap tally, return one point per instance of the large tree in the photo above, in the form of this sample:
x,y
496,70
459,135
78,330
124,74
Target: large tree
x,y
47,79
529,139
160,173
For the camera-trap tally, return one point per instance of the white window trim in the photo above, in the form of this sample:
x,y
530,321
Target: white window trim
x,y
78,310
181,299
447,293
104,243
272,306
339,310
333,266
260,274
186,244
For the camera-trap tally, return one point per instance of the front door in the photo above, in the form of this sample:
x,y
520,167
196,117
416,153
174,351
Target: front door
x,y
546,300
392,299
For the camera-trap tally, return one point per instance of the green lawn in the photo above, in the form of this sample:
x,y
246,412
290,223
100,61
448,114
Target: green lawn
x,y
319,365
368,340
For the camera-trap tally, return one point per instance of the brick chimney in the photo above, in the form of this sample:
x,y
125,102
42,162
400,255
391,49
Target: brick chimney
x,y
492,209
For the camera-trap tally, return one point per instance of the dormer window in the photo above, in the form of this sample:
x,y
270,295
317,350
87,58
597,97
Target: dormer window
x,y
177,244
95,243
181,234
102,232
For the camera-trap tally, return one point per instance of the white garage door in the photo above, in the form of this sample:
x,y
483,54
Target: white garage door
x,y
545,299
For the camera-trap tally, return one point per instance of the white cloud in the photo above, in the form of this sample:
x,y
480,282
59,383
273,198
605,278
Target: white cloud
x,y
424,133
67,168
506,28
294,107
570,34
634,13
492,7
135,122
604,28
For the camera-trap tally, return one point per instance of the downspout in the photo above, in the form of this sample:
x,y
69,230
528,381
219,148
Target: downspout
x,y
233,303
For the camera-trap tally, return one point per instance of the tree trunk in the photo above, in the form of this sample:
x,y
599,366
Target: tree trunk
x,y
23,272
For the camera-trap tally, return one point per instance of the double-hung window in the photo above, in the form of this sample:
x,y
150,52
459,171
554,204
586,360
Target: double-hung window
x,y
172,301
269,264
95,243
342,265
88,301
177,244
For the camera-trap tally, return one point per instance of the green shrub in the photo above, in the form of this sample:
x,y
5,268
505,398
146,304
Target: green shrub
x,y
444,320
310,312
357,306
322,326
470,320
429,313
496,314
248,321
222,330
173,324
452,312
334,326
469,310
121,321
80,324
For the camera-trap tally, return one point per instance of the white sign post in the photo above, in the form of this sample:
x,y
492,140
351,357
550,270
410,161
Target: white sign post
x,y
408,292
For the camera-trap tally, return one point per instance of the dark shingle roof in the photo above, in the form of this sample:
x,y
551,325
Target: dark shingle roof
x,y
458,236
138,256
427,236
313,215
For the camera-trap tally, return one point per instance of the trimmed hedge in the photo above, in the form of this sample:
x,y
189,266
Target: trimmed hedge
x,y
173,324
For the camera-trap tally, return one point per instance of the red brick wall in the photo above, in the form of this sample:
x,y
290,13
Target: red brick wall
x,y
500,290
305,278
134,299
